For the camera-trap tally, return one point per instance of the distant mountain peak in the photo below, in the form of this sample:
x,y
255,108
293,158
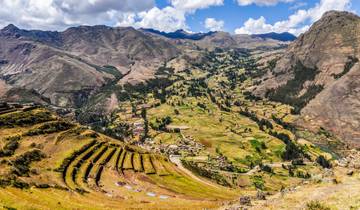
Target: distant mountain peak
x,y
179,34
285,36
10,28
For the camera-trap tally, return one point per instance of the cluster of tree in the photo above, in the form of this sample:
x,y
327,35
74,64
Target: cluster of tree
x,y
161,123
197,88
249,96
50,127
21,164
294,172
262,123
289,93
348,66
146,124
287,126
24,118
12,143
321,160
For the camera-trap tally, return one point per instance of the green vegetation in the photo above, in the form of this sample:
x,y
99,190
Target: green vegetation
x,y
21,164
50,127
348,66
12,143
289,93
205,114
258,182
25,118
316,205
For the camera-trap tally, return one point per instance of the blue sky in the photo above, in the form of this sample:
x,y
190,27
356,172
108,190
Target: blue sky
x,y
234,16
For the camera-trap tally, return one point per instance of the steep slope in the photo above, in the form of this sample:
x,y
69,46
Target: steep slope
x,y
319,76
66,67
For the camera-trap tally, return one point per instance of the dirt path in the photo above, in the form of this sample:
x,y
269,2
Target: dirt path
x,y
177,161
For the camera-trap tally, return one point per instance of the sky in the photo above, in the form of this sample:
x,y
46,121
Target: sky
x,y
233,16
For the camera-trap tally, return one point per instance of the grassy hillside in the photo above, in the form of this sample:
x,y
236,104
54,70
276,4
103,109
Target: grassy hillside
x,y
50,163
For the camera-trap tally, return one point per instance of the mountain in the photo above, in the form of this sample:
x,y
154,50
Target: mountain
x,y
220,39
66,67
180,34
285,37
319,75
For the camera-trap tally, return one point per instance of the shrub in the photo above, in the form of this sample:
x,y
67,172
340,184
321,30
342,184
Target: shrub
x,y
316,205
20,184
258,182
266,168
321,160
297,162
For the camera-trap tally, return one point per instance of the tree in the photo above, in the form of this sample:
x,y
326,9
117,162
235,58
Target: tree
x,y
146,124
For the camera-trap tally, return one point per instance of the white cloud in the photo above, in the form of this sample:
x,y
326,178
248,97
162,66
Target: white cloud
x,y
167,19
262,2
59,14
214,25
170,18
298,5
98,6
192,5
296,23
254,26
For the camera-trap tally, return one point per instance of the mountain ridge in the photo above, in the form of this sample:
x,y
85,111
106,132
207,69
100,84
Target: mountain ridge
x,y
317,75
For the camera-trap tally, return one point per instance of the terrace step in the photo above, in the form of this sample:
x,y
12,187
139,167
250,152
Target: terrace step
x,y
71,171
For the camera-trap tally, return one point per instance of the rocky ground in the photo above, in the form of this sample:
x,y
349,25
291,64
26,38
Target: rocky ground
x,y
336,188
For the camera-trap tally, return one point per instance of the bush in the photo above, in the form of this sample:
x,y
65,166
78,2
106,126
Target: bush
x,y
321,160
20,184
258,182
298,162
316,205
266,168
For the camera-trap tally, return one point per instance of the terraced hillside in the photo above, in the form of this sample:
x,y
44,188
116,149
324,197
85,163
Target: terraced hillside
x,y
206,121
51,163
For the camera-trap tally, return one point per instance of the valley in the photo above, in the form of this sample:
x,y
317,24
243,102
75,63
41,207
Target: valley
x,y
206,125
